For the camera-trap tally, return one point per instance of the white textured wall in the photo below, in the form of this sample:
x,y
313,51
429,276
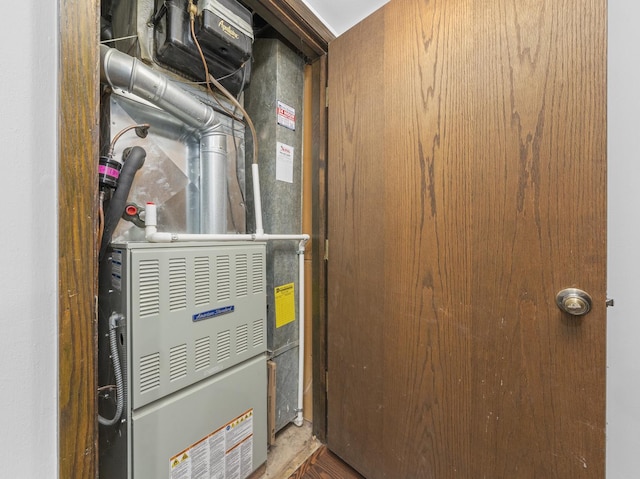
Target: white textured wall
x,y
623,383
340,15
28,241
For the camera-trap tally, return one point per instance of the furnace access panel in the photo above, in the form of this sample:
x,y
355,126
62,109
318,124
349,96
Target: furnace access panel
x,y
193,350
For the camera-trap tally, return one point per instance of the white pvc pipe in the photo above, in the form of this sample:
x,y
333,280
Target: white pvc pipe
x,y
299,420
256,198
150,215
154,236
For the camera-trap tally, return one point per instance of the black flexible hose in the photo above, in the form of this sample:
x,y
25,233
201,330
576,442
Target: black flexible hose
x,y
133,161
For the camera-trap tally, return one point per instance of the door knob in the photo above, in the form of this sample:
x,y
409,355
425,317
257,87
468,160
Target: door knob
x,y
574,301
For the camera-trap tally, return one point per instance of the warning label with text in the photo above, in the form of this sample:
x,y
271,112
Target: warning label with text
x,y
286,116
285,304
226,453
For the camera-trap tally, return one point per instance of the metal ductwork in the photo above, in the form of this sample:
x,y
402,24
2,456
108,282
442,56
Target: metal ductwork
x,y
213,182
124,72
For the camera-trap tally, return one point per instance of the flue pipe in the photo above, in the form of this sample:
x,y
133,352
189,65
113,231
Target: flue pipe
x,y
122,71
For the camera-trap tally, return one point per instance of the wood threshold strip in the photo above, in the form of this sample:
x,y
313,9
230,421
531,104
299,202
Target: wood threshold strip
x,y
323,464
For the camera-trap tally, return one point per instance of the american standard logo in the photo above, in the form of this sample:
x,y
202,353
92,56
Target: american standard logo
x,y
228,29
213,313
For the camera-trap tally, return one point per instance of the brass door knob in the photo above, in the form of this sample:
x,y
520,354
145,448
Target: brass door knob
x,y
574,301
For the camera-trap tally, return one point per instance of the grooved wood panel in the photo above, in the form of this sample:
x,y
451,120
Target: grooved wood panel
x,y
467,182
77,266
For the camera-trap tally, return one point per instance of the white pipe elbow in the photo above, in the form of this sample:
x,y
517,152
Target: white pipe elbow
x,y
153,236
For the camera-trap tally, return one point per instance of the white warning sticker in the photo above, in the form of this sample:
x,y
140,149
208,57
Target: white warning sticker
x,y
226,453
286,116
284,162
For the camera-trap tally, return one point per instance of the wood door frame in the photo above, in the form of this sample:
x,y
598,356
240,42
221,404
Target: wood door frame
x,y
319,247
78,126
78,140
297,23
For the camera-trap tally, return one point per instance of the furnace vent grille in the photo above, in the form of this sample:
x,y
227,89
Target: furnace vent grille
x,y
203,353
223,276
223,345
242,339
257,266
202,278
149,372
242,276
196,311
178,362
177,284
258,332
149,287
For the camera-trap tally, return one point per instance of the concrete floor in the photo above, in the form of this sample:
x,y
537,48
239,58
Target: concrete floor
x,y
292,448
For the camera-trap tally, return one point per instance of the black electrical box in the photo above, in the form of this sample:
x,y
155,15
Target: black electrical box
x,y
223,29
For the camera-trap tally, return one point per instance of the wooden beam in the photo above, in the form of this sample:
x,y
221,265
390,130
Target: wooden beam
x,y
77,266
297,23
318,252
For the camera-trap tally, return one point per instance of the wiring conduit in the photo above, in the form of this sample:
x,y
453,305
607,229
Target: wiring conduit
x,y
114,319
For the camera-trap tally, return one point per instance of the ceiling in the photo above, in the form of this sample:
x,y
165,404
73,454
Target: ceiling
x,y
340,15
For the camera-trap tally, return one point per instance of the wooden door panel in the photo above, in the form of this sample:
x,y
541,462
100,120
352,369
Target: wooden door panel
x,y
539,137
427,297
357,205
466,187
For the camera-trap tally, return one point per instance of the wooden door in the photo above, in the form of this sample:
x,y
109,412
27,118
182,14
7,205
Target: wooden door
x,y
466,187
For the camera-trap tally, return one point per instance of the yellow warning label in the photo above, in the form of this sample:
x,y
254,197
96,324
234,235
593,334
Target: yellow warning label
x,y
285,304
177,460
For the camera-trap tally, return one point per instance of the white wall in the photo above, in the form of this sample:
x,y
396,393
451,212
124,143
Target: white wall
x,y
340,15
623,383
28,243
